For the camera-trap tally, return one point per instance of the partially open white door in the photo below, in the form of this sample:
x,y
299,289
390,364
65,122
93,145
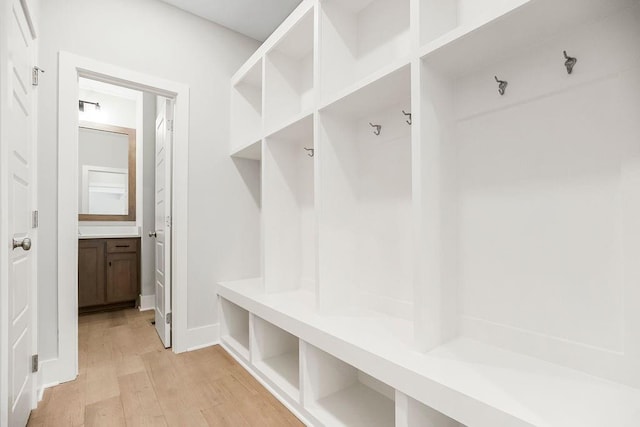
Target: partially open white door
x,y
162,233
16,283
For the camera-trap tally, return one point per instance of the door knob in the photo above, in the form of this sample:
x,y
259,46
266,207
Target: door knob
x,y
153,234
25,243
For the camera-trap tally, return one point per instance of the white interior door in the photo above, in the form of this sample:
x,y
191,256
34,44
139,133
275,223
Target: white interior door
x,y
164,139
17,310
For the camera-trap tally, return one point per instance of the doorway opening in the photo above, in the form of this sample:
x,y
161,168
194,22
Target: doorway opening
x,y
124,201
169,221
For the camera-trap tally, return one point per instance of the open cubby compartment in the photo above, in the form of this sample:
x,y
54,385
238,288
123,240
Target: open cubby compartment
x,y
537,197
235,328
246,109
359,37
337,394
289,75
465,32
288,209
276,355
446,17
412,413
365,200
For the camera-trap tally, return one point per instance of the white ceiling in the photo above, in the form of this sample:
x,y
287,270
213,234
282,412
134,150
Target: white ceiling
x,y
254,18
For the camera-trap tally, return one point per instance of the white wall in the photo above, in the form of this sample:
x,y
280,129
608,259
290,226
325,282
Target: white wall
x,y
114,110
152,37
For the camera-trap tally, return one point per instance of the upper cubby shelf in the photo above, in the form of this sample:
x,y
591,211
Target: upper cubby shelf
x,y
289,74
246,109
359,37
253,151
391,89
460,36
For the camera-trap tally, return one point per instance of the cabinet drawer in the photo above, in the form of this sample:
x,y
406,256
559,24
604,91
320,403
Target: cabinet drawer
x,y
122,245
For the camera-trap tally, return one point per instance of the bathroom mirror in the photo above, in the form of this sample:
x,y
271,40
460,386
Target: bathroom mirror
x,y
106,172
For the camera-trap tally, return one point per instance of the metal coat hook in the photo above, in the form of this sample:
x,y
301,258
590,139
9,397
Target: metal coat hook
x,y
311,151
502,85
377,127
410,121
570,62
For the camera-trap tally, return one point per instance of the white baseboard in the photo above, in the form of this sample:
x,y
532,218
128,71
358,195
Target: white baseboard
x,y
147,302
46,376
203,336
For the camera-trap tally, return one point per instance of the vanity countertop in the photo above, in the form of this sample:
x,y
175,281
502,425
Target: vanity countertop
x,y
107,236
108,232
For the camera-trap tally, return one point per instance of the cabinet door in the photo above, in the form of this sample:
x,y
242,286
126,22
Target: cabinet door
x,y
122,277
91,276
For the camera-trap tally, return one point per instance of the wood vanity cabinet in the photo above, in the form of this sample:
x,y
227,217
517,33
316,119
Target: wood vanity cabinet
x,y
108,273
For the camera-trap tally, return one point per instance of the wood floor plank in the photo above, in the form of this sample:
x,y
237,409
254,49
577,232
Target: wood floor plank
x,y
186,418
102,382
259,412
128,378
146,421
227,414
138,396
105,413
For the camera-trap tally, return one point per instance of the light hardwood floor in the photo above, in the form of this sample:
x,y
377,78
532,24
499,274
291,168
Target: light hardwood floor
x,y
127,378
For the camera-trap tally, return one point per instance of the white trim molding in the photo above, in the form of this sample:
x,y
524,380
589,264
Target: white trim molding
x,y
147,302
71,67
203,336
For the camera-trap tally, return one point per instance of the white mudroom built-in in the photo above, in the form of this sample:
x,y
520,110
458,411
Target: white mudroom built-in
x,y
331,213
448,213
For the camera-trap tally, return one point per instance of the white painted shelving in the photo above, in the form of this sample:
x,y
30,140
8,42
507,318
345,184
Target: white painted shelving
x,y
410,412
235,328
475,267
338,394
289,75
288,208
246,112
359,37
277,356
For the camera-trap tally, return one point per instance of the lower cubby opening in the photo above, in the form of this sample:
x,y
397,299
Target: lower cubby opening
x,y
276,356
411,413
235,327
337,394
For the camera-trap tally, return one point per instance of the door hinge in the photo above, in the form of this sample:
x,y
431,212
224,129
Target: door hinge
x,y
169,222
35,75
169,318
34,363
170,125
34,219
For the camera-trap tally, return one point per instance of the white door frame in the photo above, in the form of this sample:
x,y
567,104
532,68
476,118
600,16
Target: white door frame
x,y
71,67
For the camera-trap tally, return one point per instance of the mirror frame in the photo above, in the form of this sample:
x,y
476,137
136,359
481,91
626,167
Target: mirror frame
x,y
131,133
